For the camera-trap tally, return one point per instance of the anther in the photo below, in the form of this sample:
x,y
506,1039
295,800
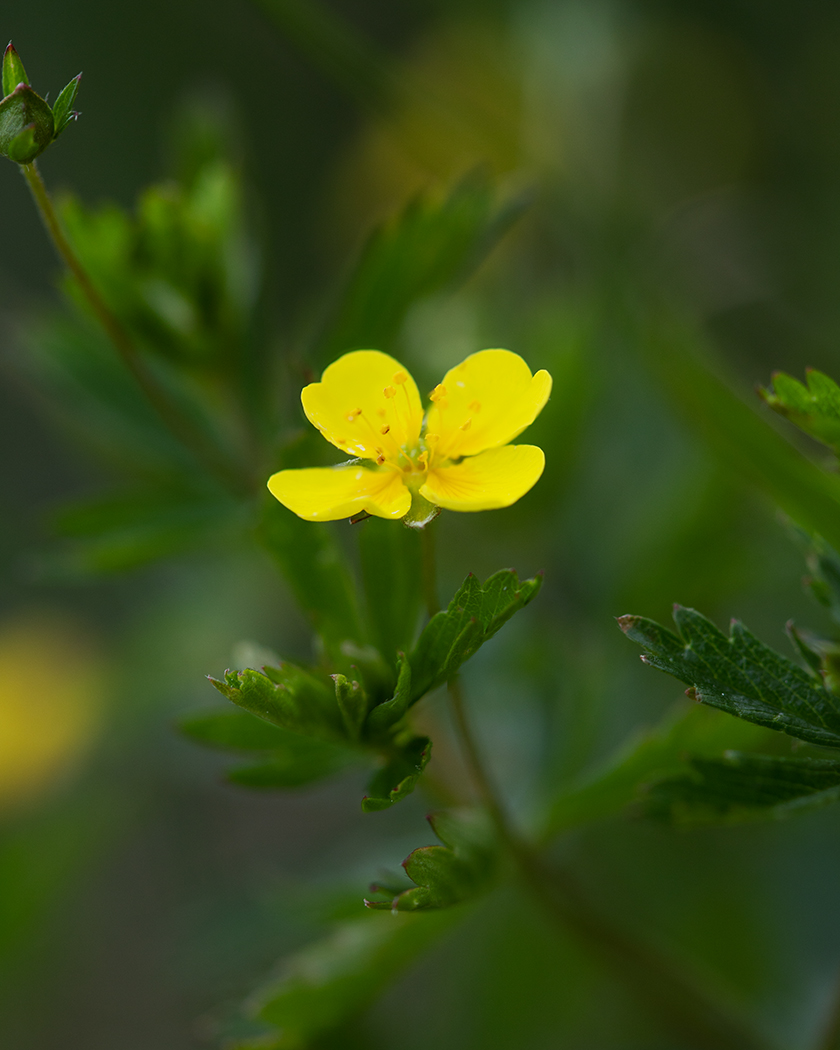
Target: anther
x,y
467,425
438,393
389,392
380,459
385,429
475,406
400,378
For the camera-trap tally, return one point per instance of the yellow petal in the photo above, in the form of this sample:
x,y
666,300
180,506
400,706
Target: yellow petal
x,y
495,478
486,401
330,493
361,394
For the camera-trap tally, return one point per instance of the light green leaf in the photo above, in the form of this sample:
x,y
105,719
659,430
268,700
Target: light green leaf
x,y
474,615
814,409
13,71
63,109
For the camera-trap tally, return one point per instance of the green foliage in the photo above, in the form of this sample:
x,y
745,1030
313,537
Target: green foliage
x,y
650,755
339,976
383,719
434,243
399,775
814,408
742,787
13,71
463,867
474,615
63,113
27,124
740,675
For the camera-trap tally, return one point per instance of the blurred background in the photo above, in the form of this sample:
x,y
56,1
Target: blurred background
x,y
658,166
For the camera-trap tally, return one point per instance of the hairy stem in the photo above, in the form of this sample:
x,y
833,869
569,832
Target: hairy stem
x,y
172,418
670,995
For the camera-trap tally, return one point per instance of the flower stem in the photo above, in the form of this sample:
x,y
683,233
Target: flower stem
x,y
172,418
670,995
427,542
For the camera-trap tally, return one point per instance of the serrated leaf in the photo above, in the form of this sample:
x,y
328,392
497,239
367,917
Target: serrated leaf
x,y
13,71
444,875
288,697
399,776
340,975
432,245
63,109
474,615
384,716
814,408
743,787
739,674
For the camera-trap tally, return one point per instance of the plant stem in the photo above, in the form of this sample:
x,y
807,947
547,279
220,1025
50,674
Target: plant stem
x,y
173,419
427,542
830,1038
670,996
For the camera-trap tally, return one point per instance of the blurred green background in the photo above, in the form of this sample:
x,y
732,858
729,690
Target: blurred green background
x,y
679,162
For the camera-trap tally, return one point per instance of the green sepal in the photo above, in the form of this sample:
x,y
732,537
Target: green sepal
x,y
474,615
814,408
63,112
742,787
385,716
352,703
463,867
739,674
399,776
13,71
288,697
26,125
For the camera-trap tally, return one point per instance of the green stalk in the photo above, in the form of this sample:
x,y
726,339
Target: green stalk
x,y
180,427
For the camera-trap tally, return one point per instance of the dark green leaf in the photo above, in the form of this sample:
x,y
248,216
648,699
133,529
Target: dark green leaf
x,y
385,716
391,575
474,615
13,71
445,875
433,244
814,409
399,776
233,730
63,112
742,787
739,674
308,760
26,125
288,697
341,975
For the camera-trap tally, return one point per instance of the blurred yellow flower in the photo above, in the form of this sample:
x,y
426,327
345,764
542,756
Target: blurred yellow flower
x,y
50,690
458,457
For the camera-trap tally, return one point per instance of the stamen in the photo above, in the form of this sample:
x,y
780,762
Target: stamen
x,y
467,425
352,417
389,392
400,378
475,406
385,429
438,393
380,459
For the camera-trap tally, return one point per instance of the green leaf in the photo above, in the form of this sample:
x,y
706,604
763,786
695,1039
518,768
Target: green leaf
x,y
387,715
288,697
352,702
233,731
63,113
739,674
399,776
391,575
433,244
317,574
304,762
26,125
648,756
462,868
742,787
339,976
814,409
13,71
474,615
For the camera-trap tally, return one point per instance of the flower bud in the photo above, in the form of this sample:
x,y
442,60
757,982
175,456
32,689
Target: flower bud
x,y
27,124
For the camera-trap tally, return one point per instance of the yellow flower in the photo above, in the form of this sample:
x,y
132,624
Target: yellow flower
x,y
458,457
